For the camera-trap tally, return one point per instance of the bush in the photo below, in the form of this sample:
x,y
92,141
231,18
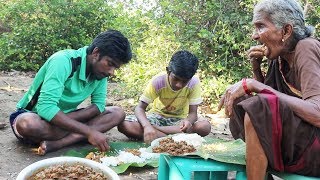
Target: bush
x,y
41,28
218,32
152,56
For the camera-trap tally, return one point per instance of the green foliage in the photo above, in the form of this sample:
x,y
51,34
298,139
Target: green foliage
x,y
152,56
40,28
313,16
218,32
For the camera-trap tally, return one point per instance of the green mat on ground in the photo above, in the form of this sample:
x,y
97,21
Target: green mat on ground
x,y
229,151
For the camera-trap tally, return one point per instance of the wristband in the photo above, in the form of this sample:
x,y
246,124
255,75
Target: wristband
x,y
245,87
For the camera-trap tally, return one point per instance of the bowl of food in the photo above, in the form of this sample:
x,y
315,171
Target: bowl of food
x,y
68,168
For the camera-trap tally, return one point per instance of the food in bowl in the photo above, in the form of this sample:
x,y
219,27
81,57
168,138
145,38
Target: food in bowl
x,y
60,164
75,171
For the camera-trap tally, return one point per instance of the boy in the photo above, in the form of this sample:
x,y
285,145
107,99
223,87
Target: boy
x,y
175,95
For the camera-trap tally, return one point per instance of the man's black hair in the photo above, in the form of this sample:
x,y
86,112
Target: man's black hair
x,y
183,64
113,44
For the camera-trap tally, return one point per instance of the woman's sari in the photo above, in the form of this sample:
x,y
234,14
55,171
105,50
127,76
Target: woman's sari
x,y
290,144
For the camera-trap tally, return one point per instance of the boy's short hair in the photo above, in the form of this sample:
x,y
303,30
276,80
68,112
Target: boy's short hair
x,y
183,64
114,44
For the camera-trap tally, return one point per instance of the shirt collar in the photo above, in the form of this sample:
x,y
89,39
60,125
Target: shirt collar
x,y
82,73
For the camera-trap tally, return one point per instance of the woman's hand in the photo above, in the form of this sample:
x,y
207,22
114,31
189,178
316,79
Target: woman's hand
x,y
233,92
256,54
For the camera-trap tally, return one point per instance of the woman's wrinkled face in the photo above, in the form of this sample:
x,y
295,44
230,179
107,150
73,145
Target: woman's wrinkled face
x,y
266,33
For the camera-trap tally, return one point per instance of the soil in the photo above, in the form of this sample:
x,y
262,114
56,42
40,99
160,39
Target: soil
x,y
16,156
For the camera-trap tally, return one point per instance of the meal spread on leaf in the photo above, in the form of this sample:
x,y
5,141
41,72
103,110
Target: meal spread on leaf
x,y
123,157
168,145
95,156
178,144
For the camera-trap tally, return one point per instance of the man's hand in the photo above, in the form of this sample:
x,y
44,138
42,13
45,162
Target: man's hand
x,y
185,125
149,134
98,140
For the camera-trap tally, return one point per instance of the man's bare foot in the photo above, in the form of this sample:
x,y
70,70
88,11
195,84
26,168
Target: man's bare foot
x,y
41,150
45,147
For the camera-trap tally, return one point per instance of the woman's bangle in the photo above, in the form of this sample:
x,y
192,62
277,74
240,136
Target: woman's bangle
x,y
245,87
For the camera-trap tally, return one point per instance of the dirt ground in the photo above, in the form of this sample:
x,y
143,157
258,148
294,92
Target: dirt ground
x,y
14,156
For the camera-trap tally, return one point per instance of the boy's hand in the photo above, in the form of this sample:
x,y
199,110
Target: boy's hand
x,y
149,134
185,125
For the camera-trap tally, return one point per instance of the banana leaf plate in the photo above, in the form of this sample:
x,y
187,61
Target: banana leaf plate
x,y
229,151
115,147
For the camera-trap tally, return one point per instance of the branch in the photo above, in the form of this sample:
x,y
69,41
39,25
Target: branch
x,y
306,8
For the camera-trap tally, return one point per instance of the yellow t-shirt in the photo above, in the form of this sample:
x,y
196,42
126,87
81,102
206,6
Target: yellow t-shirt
x,y
170,103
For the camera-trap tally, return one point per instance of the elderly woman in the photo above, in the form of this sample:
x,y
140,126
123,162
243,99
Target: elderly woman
x,y
278,115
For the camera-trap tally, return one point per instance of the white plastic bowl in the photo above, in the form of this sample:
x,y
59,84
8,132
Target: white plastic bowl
x,y
65,160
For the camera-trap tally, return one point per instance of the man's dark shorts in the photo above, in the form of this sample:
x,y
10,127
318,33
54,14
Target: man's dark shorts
x,y
12,119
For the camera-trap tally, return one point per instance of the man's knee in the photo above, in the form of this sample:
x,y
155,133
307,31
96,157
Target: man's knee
x,y
25,125
118,113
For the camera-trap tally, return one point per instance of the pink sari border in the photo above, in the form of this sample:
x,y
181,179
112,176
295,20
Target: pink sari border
x,y
276,129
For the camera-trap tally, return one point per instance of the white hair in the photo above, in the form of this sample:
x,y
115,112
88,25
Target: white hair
x,y
282,12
